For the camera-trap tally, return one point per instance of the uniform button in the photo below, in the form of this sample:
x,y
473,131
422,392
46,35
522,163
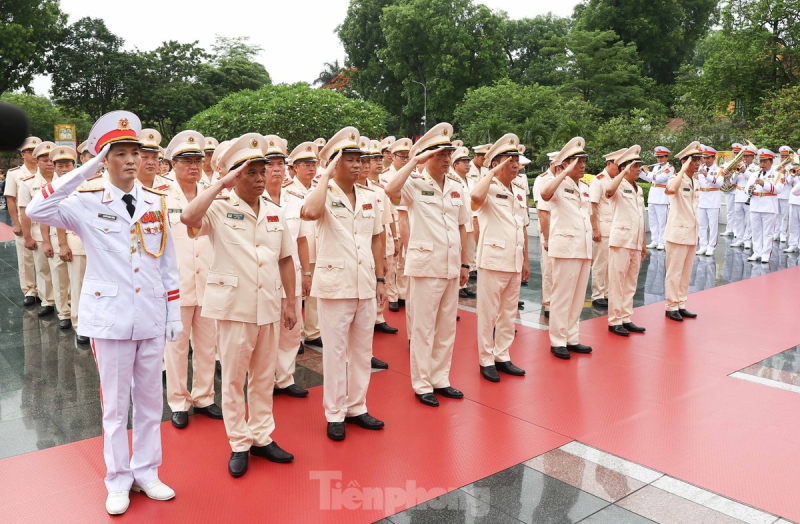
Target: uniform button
x,y
105,229
259,286
197,272
260,264
97,293
330,266
132,230
221,282
257,245
359,262
138,289
197,255
136,270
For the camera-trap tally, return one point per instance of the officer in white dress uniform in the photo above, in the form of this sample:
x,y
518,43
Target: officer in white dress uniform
x,y
782,224
764,186
131,298
794,214
741,215
710,180
729,190
657,200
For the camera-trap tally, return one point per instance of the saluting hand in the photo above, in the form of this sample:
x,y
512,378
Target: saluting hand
x,y
331,167
230,180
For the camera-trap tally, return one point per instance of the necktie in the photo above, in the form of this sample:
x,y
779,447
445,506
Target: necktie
x,y
128,199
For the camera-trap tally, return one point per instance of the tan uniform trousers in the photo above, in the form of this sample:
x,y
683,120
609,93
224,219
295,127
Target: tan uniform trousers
x,y
288,344
25,265
600,269
44,280
347,327
623,272
76,268
570,277
546,264
311,319
432,321
401,278
59,273
247,351
471,253
391,279
202,332
680,258
498,294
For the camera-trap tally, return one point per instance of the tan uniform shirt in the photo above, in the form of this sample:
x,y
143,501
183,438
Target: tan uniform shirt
x,y
292,202
682,218
597,195
627,216
538,184
385,209
434,215
570,226
14,181
502,218
244,282
345,265
194,254
466,191
27,189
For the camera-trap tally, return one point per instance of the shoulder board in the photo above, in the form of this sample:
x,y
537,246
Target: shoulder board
x,y
267,199
288,183
454,178
294,194
382,172
363,187
598,177
221,197
162,188
157,191
379,184
582,181
14,169
27,178
416,175
90,189
518,184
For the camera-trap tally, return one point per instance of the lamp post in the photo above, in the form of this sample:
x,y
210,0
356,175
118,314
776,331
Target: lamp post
x,y
425,96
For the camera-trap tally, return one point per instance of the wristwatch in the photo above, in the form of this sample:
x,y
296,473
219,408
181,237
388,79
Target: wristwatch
x,y
465,266
307,274
381,279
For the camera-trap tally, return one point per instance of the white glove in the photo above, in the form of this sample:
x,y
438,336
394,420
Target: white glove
x,y
90,168
174,330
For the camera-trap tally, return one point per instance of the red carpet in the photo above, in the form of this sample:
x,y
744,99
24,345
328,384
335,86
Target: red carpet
x,y
663,400
6,233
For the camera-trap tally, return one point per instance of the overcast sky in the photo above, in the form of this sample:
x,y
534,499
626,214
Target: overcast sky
x,y
297,35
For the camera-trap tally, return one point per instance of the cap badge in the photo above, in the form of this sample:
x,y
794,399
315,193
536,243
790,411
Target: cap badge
x,y
510,140
151,136
123,124
254,143
271,143
352,136
308,148
191,140
444,132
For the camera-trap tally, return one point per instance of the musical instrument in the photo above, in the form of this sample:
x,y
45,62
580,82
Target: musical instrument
x,y
733,167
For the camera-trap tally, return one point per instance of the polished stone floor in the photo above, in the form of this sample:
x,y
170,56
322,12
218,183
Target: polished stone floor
x,y
49,396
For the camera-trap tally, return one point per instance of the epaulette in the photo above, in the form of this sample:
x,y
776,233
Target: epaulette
x,y
270,200
90,189
518,184
583,182
14,169
27,178
382,172
294,194
416,175
221,197
287,183
153,190
454,178
598,177
378,183
363,187
162,188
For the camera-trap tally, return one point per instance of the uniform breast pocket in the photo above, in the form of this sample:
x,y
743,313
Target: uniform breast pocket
x,y
274,234
98,302
233,231
220,291
328,274
562,242
367,222
178,230
429,205
106,235
493,248
418,257
456,202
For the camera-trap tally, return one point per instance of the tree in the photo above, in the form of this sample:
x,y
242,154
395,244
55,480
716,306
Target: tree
x,y
778,124
534,47
664,33
233,68
330,70
235,47
447,46
601,69
28,30
295,112
89,68
44,115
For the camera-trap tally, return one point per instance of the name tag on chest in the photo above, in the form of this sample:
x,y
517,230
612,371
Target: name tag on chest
x,y
174,210
687,188
235,216
627,190
427,193
570,191
337,204
501,196
106,217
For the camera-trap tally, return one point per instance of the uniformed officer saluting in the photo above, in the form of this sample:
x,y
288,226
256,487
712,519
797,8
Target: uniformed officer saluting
x,y
252,263
131,297
348,282
436,260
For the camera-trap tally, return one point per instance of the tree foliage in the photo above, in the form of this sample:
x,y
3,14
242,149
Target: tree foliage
x,y
44,115
28,30
778,123
533,48
295,112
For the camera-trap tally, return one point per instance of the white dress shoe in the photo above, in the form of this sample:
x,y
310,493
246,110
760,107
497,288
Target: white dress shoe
x,y
790,250
753,258
765,260
651,245
727,234
782,239
117,502
700,251
738,243
748,245
660,247
156,490
710,252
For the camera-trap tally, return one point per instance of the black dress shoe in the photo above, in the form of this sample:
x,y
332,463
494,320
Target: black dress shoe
x,y
378,364
211,411
401,302
383,327
458,317
523,283
316,342
237,465
687,314
292,390
619,330
579,348
81,340
448,392
633,328
365,421
164,378
64,323
429,399
301,349
272,452
560,352
218,370
490,373
601,303
466,293
546,314
394,307
29,301
180,419
336,431
46,311
473,275
674,315
520,304
509,369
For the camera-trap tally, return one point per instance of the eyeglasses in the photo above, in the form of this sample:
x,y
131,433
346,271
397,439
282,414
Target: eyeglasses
x,y
191,161
401,157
